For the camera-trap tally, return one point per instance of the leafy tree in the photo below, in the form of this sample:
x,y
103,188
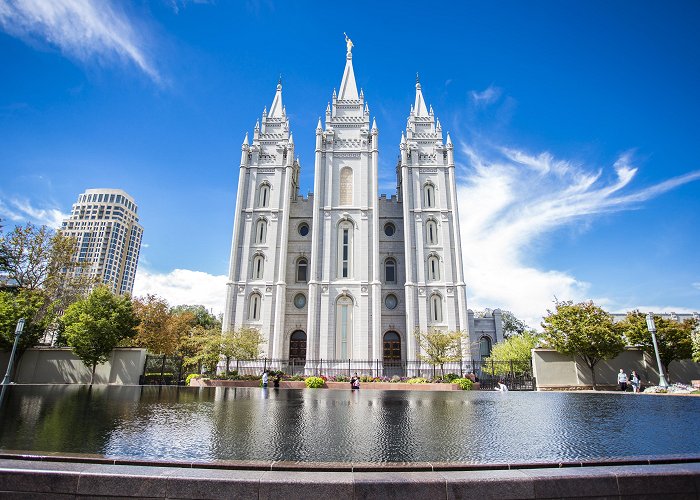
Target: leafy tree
x,y
203,317
583,330
514,326
695,337
25,304
154,331
202,347
95,325
244,343
672,337
439,347
515,353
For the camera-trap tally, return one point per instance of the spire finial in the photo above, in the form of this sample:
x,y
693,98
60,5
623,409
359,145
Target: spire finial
x,y
417,78
279,83
349,44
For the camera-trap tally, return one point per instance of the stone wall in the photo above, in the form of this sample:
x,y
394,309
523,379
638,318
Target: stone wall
x,y
48,365
553,370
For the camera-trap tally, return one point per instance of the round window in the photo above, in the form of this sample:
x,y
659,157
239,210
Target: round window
x,y
303,229
389,229
299,300
391,301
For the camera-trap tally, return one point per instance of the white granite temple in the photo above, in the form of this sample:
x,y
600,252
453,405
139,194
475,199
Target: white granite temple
x,y
345,273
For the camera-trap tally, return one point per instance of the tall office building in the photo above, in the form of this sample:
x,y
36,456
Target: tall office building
x,y
346,273
106,226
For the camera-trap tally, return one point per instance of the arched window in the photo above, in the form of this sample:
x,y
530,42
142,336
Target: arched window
x,y
264,195
429,195
343,327
302,267
346,186
435,308
258,267
433,268
390,270
345,230
261,231
485,347
297,346
254,307
431,235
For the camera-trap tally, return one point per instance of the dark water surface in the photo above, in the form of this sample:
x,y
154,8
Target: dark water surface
x,y
205,424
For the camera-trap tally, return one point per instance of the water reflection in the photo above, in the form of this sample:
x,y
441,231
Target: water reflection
x,y
324,425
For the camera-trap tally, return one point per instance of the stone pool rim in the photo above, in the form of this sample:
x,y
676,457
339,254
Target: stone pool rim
x,y
273,465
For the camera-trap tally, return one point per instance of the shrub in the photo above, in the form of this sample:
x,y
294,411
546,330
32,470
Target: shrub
x,y
464,383
367,378
395,379
314,382
190,377
417,380
341,378
451,377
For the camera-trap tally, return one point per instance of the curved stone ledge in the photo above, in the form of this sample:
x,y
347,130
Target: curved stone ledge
x,y
89,476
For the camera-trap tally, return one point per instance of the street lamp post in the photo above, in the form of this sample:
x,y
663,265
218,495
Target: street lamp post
x,y
6,380
652,329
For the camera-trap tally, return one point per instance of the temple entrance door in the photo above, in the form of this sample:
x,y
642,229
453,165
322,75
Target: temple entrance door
x,y
392,355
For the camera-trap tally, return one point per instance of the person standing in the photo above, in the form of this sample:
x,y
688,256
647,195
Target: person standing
x,y
622,380
264,379
634,380
501,387
355,382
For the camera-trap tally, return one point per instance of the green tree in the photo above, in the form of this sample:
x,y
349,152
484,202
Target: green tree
x,y
583,330
155,331
672,337
202,347
202,317
95,325
243,343
514,353
512,325
439,347
25,304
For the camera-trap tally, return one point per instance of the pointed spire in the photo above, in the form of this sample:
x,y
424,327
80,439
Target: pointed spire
x,y
257,124
245,141
403,138
328,108
431,110
438,127
291,138
449,140
348,87
319,126
334,94
374,124
362,93
276,110
419,106
366,109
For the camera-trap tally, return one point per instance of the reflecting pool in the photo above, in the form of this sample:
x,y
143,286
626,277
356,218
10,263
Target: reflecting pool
x,y
205,424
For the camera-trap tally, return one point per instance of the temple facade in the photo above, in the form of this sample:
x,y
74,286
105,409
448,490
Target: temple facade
x,y
346,274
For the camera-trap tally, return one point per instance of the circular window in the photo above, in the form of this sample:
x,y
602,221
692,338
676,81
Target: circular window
x,y
303,229
391,301
389,229
299,300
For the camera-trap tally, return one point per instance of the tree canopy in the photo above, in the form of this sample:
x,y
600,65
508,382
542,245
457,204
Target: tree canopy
x,y
672,337
439,347
514,353
583,330
95,325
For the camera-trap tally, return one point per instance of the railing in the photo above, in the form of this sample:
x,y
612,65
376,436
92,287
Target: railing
x,y
166,370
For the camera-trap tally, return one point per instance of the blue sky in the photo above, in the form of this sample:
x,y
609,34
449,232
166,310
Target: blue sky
x,y
575,125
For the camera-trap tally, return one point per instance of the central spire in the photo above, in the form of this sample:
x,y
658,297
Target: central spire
x,y
348,87
276,110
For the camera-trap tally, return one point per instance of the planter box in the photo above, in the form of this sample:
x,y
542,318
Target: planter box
x,y
380,386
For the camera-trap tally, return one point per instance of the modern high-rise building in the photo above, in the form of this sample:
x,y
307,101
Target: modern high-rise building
x,y
106,226
346,274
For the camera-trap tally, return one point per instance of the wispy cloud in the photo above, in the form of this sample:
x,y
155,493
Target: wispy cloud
x,y
21,210
182,286
82,29
696,285
510,199
486,96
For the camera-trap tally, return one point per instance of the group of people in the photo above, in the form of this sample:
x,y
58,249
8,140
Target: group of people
x,y
633,379
275,380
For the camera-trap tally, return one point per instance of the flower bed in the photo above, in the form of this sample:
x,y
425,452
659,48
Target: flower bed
x,y
291,384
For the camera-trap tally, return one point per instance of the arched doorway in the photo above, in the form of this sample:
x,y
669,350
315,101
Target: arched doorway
x,y
392,354
297,347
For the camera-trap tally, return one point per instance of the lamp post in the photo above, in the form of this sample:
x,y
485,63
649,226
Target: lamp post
x,y
652,329
6,380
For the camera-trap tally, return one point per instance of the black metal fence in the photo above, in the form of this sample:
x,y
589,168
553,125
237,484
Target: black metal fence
x,y
168,370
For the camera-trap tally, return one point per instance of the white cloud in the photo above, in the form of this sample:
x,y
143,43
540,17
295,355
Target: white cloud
x,y
486,96
696,285
504,208
21,210
81,29
182,286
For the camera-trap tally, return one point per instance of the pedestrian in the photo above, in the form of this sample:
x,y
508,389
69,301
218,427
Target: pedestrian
x,y
264,379
501,387
276,381
355,382
634,379
622,380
